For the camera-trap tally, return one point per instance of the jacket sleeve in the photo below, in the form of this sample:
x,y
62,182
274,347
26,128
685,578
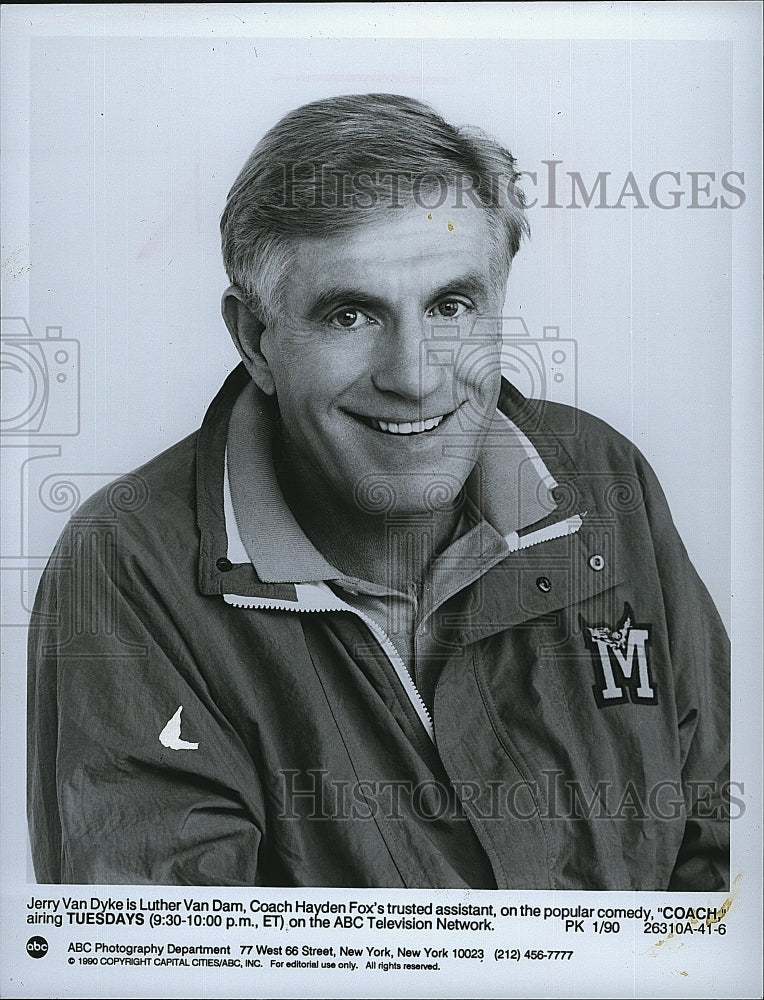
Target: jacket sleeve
x,y
700,655
115,794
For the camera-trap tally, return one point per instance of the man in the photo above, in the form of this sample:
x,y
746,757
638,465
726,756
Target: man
x,y
382,621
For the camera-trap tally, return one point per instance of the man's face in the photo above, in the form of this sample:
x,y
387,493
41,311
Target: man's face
x,y
386,359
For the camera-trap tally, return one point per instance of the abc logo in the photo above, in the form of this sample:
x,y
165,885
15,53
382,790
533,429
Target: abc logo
x,y
37,947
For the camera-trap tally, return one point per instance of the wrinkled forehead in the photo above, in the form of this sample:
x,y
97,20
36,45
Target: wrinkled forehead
x,y
411,249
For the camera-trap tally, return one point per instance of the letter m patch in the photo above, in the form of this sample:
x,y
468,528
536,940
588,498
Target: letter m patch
x,y
620,661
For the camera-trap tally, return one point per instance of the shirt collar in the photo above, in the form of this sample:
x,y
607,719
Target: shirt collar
x,y
510,486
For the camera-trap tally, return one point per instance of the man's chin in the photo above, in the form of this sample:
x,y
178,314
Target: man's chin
x,y
411,493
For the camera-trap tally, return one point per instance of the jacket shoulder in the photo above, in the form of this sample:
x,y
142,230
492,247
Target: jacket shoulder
x,y
591,443
156,500
589,455
585,433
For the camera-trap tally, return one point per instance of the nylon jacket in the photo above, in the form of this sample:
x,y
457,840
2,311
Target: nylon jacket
x,y
189,724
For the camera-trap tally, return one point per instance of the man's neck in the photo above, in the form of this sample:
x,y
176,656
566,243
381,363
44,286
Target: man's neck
x,y
393,549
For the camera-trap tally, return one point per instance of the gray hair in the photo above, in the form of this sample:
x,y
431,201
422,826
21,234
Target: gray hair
x,y
324,168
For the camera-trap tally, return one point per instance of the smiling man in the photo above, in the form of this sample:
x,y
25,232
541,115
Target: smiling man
x,y
399,319
382,621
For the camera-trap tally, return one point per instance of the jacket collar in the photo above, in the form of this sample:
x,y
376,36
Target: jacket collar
x,y
265,528
542,468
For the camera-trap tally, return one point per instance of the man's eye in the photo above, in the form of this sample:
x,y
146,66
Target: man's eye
x,y
449,309
350,319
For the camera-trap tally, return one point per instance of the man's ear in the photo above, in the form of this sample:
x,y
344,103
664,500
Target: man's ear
x,y
247,330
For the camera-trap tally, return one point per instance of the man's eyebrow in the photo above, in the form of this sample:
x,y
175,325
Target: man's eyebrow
x,y
474,284
342,295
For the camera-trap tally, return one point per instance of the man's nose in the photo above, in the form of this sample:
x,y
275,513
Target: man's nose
x,y
407,362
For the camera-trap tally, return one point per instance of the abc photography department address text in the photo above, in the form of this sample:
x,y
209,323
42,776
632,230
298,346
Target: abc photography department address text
x,y
282,935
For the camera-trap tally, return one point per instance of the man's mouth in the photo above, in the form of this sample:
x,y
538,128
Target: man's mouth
x,y
400,428
407,427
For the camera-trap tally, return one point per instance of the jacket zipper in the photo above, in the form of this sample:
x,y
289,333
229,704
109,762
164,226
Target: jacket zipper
x,y
317,598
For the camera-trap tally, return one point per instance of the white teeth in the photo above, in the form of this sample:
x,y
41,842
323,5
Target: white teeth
x,y
416,427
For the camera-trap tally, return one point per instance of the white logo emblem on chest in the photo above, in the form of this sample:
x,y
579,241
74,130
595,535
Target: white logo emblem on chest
x,y
614,652
170,735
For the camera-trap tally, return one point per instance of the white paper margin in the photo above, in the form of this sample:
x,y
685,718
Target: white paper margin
x,y
113,376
